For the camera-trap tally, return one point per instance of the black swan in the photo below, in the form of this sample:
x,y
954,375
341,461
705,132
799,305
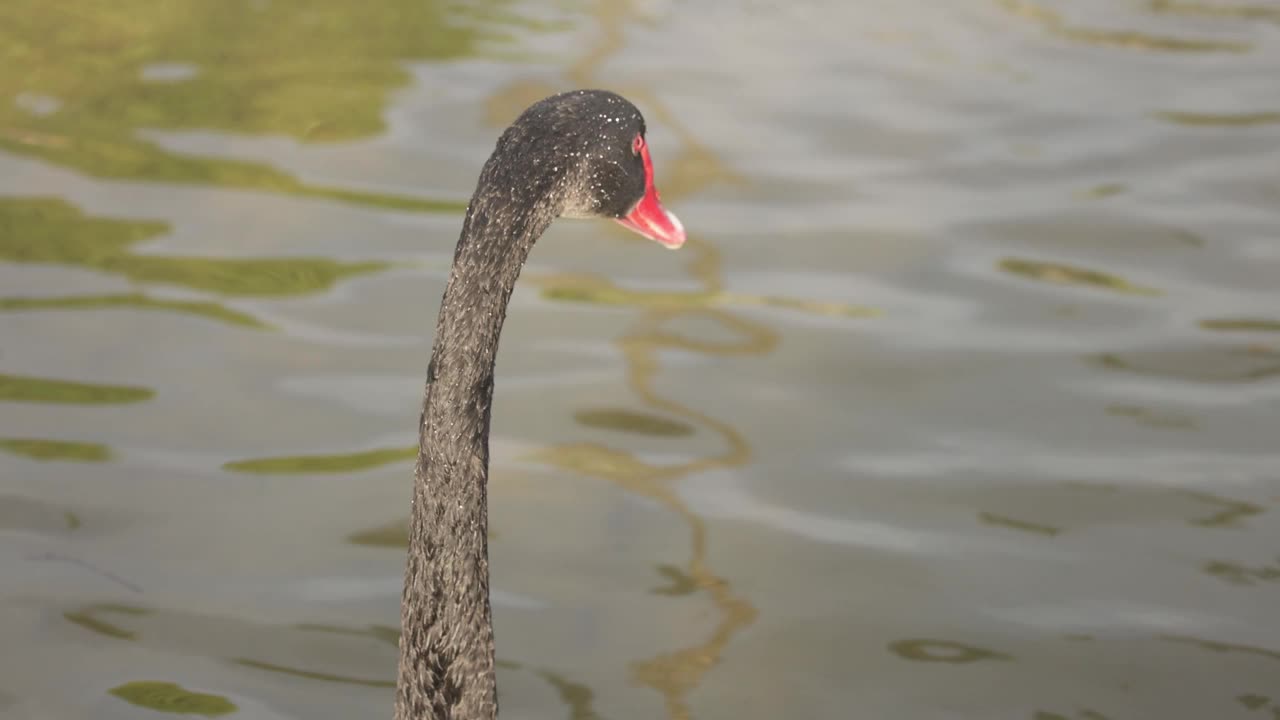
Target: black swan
x,y
577,154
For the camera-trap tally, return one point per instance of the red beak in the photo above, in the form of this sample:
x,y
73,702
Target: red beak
x,y
648,217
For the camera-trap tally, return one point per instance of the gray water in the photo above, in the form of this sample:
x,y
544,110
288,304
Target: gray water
x,y
962,400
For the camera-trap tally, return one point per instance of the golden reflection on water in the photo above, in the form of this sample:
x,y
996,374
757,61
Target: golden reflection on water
x,y
677,672
341,463
94,132
601,291
578,697
1055,24
674,673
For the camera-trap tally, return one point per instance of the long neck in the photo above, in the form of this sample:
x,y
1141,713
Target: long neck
x,y
446,642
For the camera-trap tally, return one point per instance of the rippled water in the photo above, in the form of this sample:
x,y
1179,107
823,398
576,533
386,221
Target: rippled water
x,y
962,400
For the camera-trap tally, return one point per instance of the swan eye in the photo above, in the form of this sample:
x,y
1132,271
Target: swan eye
x,y
637,145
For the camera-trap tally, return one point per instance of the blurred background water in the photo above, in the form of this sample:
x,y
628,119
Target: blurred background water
x,y
962,401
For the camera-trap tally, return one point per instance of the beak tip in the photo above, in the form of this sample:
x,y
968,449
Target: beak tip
x,y
676,238
655,223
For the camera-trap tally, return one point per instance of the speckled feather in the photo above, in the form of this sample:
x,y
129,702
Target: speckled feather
x,y
570,154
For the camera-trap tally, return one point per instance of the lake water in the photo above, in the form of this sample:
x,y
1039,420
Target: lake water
x,y
962,400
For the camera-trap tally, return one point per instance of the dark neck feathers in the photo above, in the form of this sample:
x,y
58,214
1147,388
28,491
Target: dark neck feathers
x,y
446,645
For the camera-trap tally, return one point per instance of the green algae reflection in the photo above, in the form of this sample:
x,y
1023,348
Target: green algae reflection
x,y
314,70
1215,10
942,651
391,535
49,231
170,698
1004,521
394,534
308,464
38,449
1197,363
18,388
1220,119
88,618
630,421
1244,575
1152,418
1241,324
1104,190
312,674
134,301
1061,274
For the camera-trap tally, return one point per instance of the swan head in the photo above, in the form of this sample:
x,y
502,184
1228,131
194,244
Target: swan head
x,y
591,144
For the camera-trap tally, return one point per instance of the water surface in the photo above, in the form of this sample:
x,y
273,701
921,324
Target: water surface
x,y
961,401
